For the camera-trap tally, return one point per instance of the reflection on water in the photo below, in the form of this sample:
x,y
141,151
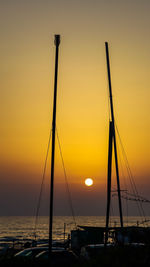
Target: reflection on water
x,y
23,227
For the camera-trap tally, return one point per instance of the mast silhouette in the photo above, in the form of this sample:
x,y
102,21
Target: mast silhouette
x,y
112,143
56,42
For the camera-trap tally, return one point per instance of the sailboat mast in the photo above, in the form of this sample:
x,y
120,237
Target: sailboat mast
x,y
57,42
114,135
109,178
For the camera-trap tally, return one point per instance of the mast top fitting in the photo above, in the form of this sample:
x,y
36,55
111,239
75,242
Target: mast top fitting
x,y
57,39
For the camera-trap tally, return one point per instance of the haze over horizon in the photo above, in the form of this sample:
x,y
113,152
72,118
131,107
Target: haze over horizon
x,y
27,75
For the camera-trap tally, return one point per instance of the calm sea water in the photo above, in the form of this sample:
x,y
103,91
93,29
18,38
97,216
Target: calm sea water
x,y
23,227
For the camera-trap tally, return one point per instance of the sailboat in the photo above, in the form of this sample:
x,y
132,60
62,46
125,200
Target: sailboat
x,y
100,234
57,43
56,256
120,235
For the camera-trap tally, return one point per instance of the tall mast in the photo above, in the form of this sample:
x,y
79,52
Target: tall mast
x,y
113,139
57,42
109,177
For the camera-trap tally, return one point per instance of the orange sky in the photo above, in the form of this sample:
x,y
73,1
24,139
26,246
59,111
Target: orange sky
x,y
27,74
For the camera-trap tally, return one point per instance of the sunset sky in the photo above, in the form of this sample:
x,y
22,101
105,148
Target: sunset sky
x,y
27,55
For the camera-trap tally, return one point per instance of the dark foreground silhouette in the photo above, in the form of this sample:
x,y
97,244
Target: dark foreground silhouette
x,y
113,257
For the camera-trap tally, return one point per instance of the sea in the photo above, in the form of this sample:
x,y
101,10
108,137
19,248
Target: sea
x,y
23,228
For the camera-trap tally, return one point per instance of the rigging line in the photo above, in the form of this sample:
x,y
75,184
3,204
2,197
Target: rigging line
x,y
126,160
140,209
111,213
41,189
108,96
67,185
127,163
124,179
139,206
130,174
134,199
141,198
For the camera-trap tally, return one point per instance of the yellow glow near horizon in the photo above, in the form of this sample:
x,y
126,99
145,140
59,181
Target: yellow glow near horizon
x,y
27,76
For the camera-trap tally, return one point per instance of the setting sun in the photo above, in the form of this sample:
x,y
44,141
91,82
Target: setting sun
x,y
88,182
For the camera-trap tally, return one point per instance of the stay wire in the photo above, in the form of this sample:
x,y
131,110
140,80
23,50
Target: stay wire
x,y
41,188
109,109
140,198
140,209
139,204
111,213
66,179
124,179
133,186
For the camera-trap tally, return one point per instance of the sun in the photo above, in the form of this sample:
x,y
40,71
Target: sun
x,y
88,181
